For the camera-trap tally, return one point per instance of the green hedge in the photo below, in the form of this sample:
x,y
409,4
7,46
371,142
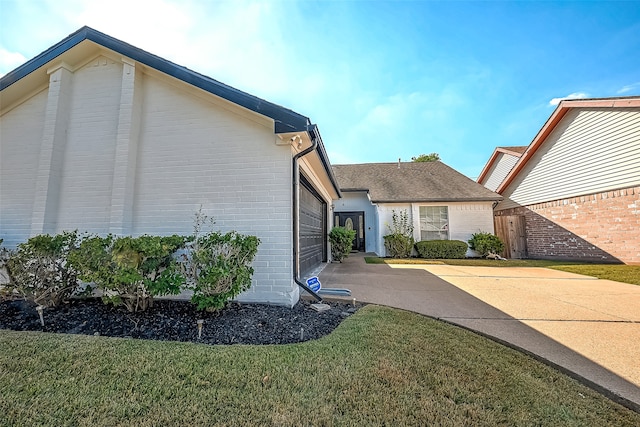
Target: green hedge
x,y
486,243
445,249
132,270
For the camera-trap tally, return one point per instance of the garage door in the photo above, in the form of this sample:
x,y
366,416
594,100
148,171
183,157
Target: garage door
x,y
313,246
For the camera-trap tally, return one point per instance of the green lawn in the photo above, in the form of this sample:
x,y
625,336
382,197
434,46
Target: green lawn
x,y
617,272
380,367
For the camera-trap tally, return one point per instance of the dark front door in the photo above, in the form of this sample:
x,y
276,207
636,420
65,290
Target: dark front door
x,y
353,221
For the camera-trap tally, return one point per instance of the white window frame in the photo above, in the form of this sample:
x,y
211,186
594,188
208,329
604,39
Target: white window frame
x,y
434,223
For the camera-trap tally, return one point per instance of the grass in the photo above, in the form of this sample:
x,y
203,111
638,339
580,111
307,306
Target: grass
x,y
618,272
380,367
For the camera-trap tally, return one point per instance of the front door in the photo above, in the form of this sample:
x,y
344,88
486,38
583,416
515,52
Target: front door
x,y
353,221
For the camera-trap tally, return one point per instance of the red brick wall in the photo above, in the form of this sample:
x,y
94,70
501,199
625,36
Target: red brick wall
x,y
596,227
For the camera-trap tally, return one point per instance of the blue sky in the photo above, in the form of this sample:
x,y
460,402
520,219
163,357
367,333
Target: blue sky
x,y
382,79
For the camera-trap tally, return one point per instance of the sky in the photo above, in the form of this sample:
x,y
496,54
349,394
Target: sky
x,y
383,80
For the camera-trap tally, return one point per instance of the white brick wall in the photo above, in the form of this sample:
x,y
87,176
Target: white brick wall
x,y
385,220
20,137
87,168
194,153
465,218
193,150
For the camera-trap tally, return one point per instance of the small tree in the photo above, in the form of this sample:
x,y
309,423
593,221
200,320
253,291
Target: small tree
x,y
399,242
433,157
341,242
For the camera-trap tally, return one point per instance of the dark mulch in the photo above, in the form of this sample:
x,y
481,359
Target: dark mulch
x,y
170,320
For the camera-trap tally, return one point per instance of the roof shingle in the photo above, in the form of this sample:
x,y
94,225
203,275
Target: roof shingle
x,y
411,182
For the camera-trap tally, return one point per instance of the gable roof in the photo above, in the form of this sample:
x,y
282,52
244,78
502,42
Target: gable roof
x,y
411,182
285,120
515,151
553,121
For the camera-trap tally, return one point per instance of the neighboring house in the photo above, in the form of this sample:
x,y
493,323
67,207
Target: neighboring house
x,y
442,204
499,165
100,136
575,192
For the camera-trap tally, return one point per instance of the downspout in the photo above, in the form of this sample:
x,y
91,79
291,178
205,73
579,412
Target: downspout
x,y
296,221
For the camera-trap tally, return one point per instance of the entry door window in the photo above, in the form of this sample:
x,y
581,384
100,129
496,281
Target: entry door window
x,y
434,223
348,224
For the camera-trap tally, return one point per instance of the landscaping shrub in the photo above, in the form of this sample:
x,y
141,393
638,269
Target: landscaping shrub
x,y
486,243
39,269
217,266
442,249
341,242
399,242
6,290
131,270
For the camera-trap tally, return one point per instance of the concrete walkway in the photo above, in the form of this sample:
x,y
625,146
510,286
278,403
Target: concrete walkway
x,y
586,327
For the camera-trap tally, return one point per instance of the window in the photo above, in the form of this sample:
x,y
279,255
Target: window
x,y
434,223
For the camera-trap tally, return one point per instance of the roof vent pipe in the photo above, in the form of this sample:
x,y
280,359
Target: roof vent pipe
x,y
398,162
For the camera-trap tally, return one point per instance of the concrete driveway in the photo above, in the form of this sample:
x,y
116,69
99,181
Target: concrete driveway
x,y
588,328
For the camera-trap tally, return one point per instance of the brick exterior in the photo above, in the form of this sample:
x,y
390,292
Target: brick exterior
x,y
596,227
110,149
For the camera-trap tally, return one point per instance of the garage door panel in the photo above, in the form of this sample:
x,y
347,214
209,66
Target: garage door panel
x,y
312,231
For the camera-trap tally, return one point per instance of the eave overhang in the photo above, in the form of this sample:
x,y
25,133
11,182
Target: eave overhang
x,y
285,120
440,200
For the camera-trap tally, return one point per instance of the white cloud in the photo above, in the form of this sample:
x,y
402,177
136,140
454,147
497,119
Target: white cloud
x,y
629,88
10,60
575,95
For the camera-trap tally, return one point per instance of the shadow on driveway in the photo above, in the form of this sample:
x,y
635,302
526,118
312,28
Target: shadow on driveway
x,y
422,292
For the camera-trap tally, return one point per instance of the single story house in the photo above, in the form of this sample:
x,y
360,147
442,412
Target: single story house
x,y
441,203
574,194
101,136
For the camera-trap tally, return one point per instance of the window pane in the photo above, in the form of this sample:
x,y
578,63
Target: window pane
x,y
434,223
348,224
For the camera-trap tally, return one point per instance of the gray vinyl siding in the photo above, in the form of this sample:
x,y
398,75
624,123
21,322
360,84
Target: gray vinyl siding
x,y
500,169
590,151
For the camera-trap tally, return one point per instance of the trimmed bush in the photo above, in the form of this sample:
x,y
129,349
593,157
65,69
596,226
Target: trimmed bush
x,y
486,243
341,242
217,267
130,270
398,245
39,269
441,249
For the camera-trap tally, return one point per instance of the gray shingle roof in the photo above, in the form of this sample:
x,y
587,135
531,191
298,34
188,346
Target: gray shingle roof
x,y
411,182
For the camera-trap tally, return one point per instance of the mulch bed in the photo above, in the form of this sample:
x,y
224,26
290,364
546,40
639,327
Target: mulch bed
x,y
171,320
